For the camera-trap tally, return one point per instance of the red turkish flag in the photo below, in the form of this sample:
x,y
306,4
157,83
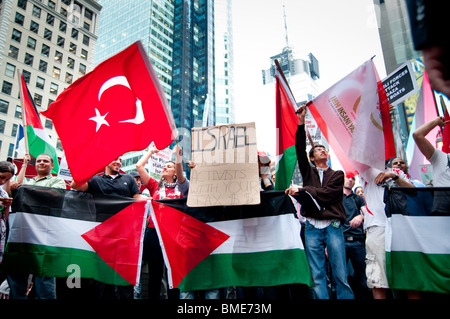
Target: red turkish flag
x,y
118,107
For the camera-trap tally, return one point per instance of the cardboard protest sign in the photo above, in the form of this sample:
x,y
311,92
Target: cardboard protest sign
x,y
226,171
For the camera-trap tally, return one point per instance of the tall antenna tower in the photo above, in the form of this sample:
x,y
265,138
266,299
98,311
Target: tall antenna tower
x,y
285,26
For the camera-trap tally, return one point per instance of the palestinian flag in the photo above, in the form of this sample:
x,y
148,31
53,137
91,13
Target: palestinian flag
x,y
222,246
51,229
38,142
418,253
286,122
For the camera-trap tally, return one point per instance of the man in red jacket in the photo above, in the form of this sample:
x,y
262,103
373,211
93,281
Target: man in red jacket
x,y
323,228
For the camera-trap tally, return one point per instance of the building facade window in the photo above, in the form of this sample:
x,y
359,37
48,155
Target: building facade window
x,y
45,50
74,33
62,26
10,149
48,34
14,130
37,99
18,112
40,82
69,78
31,43
58,57
22,4
34,26
70,63
48,124
13,52
10,70
43,66
16,35
26,76
84,54
73,48
36,12
54,88
50,19
7,87
4,105
28,59
56,72
61,41
86,40
19,18
82,68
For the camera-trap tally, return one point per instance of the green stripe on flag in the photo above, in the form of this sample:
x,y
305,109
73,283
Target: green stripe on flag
x,y
418,253
418,271
268,268
54,261
285,168
37,145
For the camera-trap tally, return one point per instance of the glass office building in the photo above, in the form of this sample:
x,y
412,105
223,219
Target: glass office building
x,y
193,64
151,21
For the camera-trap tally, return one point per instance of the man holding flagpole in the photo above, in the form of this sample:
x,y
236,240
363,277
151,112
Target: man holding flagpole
x,y
323,228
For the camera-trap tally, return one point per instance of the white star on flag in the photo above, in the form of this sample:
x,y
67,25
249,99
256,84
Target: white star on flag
x,y
99,119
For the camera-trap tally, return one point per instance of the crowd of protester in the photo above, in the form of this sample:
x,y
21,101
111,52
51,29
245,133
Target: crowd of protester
x,y
344,244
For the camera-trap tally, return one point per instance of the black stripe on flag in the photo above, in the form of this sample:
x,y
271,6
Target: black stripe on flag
x,y
67,203
273,203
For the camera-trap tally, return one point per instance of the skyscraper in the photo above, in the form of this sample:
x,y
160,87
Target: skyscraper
x,y
151,21
52,43
193,64
224,62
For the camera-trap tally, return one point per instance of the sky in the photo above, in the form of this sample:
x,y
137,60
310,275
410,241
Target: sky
x,y
342,35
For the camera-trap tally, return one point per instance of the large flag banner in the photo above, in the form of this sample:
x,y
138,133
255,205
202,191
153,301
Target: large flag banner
x,y
353,115
418,252
118,107
425,112
36,137
222,246
53,231
286,123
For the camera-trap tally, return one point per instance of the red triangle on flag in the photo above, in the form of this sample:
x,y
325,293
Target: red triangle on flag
x,y
186,240
118,240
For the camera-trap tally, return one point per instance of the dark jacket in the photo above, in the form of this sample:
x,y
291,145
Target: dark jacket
x,y
328,194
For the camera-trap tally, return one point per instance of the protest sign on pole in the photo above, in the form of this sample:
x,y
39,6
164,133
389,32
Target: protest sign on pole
x,y
226,171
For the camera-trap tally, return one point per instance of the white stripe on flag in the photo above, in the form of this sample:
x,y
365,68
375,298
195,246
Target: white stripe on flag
x,y
53,231
259,234
43,136
429,235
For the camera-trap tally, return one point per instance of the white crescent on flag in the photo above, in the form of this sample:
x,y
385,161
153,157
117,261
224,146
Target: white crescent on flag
x,y
122,80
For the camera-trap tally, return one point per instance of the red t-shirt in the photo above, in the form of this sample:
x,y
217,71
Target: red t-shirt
x,y
161,193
